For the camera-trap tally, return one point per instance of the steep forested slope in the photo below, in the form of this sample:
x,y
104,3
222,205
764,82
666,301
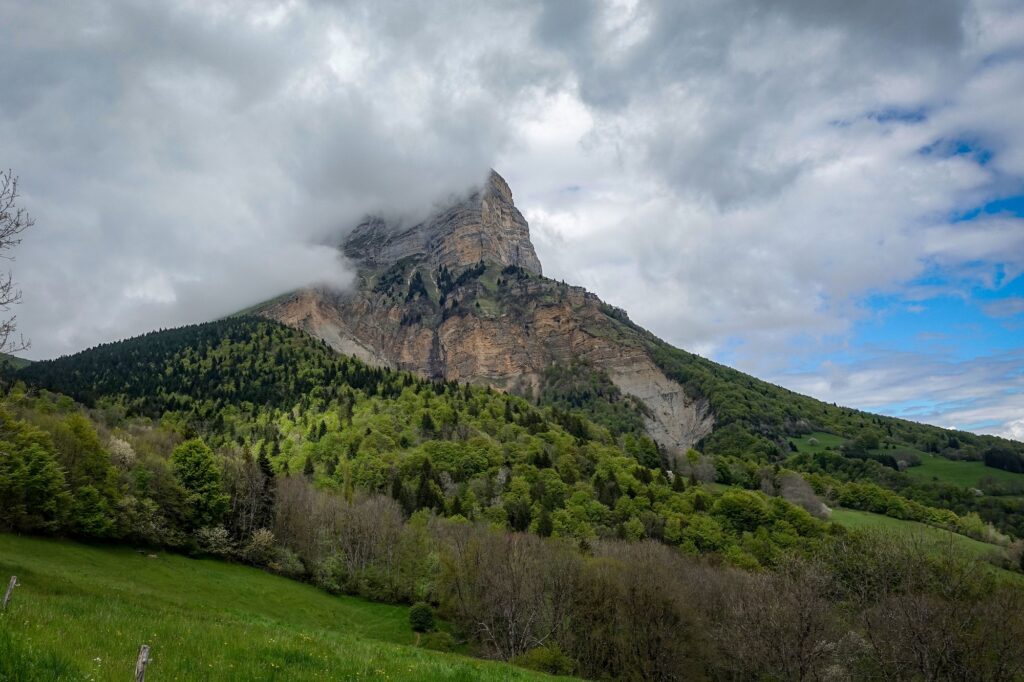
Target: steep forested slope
x,y
203,367
250,441
255,388
754,415
271,390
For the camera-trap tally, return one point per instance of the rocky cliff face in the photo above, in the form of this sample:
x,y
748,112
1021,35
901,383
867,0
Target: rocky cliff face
x,y
461,296
484,227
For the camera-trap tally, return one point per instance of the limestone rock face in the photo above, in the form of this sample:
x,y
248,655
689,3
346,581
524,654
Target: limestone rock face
x,y
485,226
495,325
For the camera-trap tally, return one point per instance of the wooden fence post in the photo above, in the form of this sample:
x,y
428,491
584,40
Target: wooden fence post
x,y
10,588
140,665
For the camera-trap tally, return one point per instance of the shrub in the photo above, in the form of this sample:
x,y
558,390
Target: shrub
x,y
287,563
546,659
215,540
421,617
261,547
438,641
744,511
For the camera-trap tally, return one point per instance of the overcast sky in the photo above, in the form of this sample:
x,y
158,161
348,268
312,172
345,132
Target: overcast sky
x,y
827,194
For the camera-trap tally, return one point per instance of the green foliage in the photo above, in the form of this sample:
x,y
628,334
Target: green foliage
x,y
20,661
756,418
196,470
453,449
80,611
546,659
582,387
421,617
741,510
438,641
1005,458
199,370
32,491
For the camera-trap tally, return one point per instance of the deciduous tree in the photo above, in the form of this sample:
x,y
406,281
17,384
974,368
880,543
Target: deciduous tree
x,y
14,220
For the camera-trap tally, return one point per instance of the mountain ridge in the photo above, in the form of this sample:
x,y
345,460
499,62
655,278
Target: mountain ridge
x,y
461,296
458,296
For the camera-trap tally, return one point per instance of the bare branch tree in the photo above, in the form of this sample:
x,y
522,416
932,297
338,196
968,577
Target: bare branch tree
x,y
13,221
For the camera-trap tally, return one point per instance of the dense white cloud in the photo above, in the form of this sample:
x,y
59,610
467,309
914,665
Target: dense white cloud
x,y
750,173
736,174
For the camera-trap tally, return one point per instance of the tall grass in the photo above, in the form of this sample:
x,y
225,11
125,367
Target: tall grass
x,y
82,612
20,662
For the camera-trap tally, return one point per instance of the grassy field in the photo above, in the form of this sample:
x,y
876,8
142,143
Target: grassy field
x,y
866,520
82,612
933,468
964,474
818,442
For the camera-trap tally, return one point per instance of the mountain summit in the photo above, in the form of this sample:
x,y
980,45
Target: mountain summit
x,y
461,296
486,226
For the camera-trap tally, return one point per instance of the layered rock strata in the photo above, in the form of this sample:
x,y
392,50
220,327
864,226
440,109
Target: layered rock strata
x,y
461,297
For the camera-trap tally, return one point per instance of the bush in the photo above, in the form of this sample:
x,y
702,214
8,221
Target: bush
x,y
287,563
196,469
215,540
546,659
438,641
421,617
744,511
261,547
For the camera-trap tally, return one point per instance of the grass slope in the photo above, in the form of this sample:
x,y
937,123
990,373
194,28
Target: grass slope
x,y
8,360
861,520
818,441
963,474
81,612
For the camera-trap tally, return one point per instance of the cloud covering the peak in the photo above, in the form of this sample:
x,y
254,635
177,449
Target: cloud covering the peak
x,y
775,184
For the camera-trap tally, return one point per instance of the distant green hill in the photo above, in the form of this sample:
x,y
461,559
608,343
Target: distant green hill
x,y
754,415
13,362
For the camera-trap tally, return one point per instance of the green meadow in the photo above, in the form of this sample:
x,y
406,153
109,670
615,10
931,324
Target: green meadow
x,y
818,441
861,520
967,474
81,612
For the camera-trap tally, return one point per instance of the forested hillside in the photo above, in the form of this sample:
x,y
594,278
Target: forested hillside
x,y
264,393
756,420
250,441
754,415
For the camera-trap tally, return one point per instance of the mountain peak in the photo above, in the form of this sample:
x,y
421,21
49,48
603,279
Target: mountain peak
x,y
498,185
485,226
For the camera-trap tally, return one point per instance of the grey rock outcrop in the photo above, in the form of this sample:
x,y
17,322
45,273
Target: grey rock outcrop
x,y
485,226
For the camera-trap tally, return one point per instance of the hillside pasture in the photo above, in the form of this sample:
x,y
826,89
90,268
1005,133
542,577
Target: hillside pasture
x,y
861,520
818,441
81,612
966,474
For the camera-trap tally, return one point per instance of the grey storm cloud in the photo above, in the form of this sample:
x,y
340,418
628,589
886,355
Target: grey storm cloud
x,y
735,173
